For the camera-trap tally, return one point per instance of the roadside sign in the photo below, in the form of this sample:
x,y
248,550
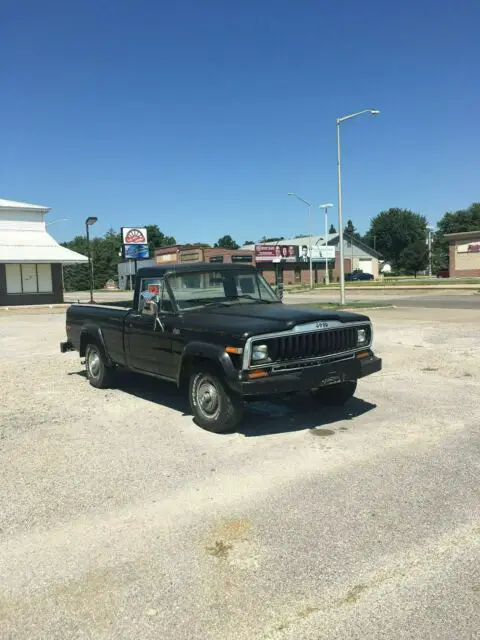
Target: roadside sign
x,y
134,235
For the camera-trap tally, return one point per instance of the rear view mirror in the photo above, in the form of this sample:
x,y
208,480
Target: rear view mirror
x,y
150,308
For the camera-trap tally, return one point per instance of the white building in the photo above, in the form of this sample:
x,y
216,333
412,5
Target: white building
x,y
31,260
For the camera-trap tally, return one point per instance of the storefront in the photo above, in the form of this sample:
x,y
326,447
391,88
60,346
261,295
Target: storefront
x,y
31,261
464,254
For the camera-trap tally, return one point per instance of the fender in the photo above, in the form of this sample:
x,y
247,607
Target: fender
x,y
210,352
94,331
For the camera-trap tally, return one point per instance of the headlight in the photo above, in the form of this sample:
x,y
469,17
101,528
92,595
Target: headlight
x,y
259,353
362,337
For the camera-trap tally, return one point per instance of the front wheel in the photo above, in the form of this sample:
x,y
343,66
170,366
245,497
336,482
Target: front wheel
x,y
213,406
336,394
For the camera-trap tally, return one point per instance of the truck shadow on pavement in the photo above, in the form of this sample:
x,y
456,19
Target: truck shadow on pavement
x,y
297,413
262,418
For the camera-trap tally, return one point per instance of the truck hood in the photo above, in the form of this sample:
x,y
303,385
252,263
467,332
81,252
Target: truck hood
x,y
247,319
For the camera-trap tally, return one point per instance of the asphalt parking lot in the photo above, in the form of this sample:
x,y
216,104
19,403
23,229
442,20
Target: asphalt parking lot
x,y
119,518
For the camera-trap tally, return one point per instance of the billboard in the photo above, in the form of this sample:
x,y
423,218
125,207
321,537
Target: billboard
x,y
293,253
319,253
276,253
136,251
134,235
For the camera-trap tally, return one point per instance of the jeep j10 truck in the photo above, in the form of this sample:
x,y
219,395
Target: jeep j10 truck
x,y
221,332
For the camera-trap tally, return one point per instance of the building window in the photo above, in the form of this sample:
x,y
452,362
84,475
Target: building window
x,y
241,258
298,275
29,278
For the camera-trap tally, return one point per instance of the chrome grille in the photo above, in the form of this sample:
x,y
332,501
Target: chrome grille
x,y
314,344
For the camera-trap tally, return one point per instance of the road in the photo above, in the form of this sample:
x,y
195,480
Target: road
x,y
120,519
426,300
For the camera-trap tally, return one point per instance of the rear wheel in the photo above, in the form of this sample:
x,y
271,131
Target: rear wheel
x,y
336,394
99,374
213,406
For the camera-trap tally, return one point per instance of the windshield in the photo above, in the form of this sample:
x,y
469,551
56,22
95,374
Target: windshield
x,y
199,289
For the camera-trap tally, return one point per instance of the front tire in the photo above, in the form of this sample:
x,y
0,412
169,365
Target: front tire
x,y
214,408
336,394
99,374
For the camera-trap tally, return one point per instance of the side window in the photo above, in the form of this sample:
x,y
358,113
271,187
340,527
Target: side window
x,y
150,289
246,285
154,289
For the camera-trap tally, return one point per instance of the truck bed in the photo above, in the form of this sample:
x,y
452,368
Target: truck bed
x,y
110,317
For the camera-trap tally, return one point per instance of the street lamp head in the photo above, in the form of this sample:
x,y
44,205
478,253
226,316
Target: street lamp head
x,y
325,206
291,193
374,112
90,220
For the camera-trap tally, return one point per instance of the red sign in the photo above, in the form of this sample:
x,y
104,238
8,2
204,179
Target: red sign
x,y
134,235
154,289
264,252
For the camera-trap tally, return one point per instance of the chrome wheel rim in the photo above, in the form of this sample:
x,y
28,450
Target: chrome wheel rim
x,y
94,363
208,399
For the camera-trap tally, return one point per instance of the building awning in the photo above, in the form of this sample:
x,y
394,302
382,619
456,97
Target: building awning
x,y
20,246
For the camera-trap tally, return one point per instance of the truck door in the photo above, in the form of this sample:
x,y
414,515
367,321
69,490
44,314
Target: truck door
x,y
148,338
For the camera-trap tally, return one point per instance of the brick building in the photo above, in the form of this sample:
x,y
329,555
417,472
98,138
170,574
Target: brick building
x,y
464,254
182,254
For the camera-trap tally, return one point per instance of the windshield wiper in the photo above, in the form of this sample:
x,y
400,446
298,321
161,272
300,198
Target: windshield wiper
x,y
215,303
250,297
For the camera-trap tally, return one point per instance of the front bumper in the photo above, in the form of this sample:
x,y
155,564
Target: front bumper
x,y
309,378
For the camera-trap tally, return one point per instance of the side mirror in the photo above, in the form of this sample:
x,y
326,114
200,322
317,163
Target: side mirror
x,y
150,308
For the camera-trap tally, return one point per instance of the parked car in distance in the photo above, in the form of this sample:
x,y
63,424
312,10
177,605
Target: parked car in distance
x,y
443,273
358,275
220,332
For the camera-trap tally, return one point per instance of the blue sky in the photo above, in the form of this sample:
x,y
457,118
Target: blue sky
x,y
200,116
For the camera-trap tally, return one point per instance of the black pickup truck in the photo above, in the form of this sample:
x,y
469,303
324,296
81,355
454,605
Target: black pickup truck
x,y
222,332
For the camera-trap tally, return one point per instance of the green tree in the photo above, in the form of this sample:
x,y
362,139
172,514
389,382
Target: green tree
x,y
332,229
76,276
249,242
106,254
351,230
226,242
274,239
453,222
414,257
157,239
394,230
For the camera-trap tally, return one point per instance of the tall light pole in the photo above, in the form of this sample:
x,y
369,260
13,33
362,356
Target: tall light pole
x,y
373,112
309,232
88,223
429,243
326,207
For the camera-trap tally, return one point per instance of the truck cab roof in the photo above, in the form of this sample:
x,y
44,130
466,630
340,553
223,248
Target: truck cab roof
x,y
160,270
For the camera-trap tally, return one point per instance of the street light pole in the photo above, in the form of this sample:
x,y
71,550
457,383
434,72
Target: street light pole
x,y
429,250
88,223
326,207
309,231
373,112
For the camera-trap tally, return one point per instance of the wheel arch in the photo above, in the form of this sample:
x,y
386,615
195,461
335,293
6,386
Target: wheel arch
x,y
196,353
92,333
